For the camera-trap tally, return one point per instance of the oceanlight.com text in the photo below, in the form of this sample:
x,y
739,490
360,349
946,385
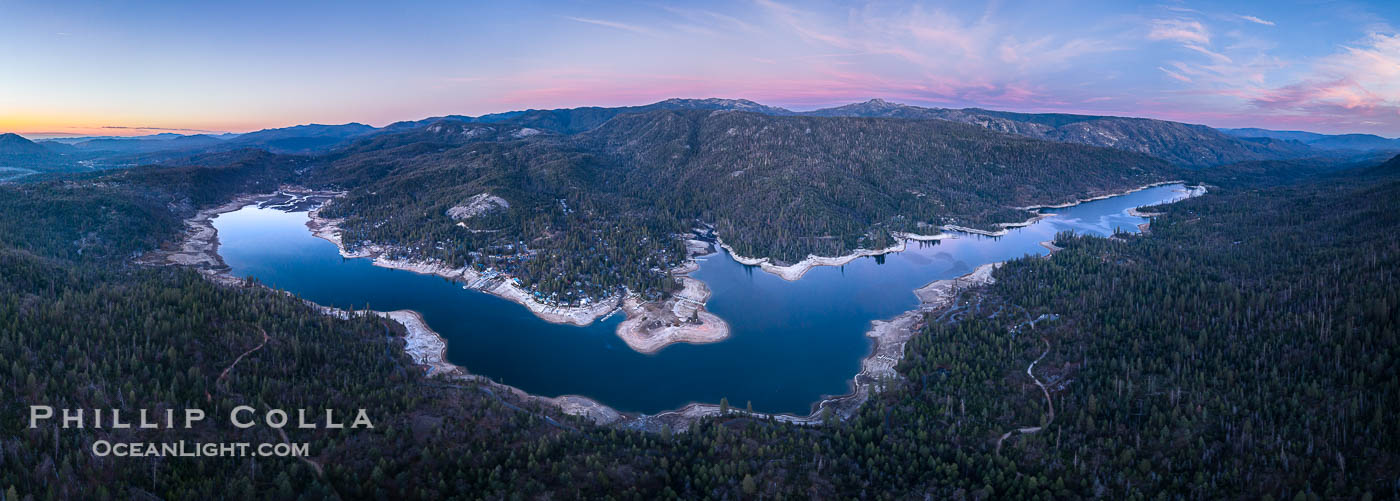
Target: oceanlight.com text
x,y
104,448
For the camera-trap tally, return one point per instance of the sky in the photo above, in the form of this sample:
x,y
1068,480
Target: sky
x,y
127,68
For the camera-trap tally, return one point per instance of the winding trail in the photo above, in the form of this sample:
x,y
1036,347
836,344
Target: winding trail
x,y
320,473
224,374
1049,403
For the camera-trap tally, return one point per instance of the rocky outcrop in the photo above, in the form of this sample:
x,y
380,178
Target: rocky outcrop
x,y
477,205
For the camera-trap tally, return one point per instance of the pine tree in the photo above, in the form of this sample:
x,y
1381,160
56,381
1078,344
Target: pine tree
x,y
749,485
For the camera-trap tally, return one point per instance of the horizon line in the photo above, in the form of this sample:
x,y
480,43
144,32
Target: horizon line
x,y
34,136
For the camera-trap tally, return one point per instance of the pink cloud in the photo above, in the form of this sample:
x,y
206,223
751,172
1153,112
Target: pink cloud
x,y
1360,84
927,57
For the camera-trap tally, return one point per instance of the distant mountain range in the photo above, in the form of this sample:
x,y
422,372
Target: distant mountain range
x,y
18,152
1364,142
300,139
1183,144
137,144
1178,143
574,120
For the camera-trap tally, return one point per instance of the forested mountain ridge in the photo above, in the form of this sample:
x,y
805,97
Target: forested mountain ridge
x,y
1222,355
82,326
1179,143
1190,362
301,138
574,120
603,207
786,187
1364,142
141,145
18,152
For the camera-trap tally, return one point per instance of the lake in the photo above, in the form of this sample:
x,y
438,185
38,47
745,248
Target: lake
x,y
791,343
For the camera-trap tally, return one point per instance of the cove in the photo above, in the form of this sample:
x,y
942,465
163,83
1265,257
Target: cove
x,y
791,342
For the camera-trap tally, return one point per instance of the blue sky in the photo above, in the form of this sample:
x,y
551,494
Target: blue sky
x,y
85,67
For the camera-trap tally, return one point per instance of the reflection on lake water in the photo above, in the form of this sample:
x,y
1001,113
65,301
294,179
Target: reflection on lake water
x,y
791,342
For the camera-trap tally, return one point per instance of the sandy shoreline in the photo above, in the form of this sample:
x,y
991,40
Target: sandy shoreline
x,y
199,248
682,318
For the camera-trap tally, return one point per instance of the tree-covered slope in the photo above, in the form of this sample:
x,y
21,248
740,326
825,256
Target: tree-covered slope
x,y
83,327
1245,347
16,152
1361,142
575,120
1179,143
789,186
603,207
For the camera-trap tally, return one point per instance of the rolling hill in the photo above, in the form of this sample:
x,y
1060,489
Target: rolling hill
x,y
1360,142
1186,145
19,153
1182,144
772,186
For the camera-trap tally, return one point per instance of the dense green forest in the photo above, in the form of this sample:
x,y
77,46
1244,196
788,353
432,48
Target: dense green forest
x,y
1178,143
600,210
1245,347
1182,144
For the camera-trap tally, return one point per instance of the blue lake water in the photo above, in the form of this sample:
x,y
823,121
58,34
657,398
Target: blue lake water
x,y
791,343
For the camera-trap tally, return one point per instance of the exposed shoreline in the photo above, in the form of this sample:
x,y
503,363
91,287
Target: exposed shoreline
x,y
329,230
199,250
1005,228
427,348
889,338
682,318
795,271
1101,197
650,325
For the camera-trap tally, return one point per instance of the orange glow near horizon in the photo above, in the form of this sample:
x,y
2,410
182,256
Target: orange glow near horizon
x,y
72,125
89,68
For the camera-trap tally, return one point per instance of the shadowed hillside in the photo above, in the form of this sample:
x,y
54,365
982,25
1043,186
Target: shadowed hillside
x,y
780,187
